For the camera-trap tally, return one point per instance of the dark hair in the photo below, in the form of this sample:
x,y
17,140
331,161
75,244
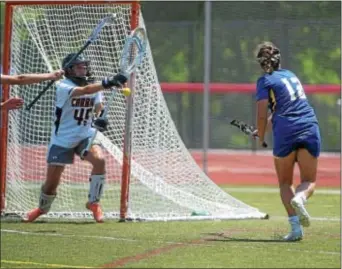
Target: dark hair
x,y
268,56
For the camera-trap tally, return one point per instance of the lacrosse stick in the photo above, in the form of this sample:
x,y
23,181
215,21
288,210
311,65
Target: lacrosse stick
x,y
131,57
245,128
93,37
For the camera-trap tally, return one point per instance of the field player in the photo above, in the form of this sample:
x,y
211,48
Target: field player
x,y
76,98
296,134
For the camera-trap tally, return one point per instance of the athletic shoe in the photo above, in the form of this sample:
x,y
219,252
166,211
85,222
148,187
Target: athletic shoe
x,y
97,211
298,205
296,233
33,215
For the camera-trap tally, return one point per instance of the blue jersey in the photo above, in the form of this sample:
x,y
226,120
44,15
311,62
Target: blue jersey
x,y
294,121
287,101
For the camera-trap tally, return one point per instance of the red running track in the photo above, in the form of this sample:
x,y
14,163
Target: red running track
x,y
224,167
228,167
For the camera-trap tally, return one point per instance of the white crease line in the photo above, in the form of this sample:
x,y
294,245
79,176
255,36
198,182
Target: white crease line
x,y
45,264
84,236
67,235
167,242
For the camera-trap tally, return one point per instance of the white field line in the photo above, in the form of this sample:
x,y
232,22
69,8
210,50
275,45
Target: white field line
x,y
258,152
166,242
276,190
263,170
116,187
81,236
45,264
330,219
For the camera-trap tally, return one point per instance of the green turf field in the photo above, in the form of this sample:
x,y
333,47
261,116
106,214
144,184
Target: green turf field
x,y
205,244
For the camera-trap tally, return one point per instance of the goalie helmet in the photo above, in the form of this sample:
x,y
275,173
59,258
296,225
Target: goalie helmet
x,y
268,56
78,60
69,73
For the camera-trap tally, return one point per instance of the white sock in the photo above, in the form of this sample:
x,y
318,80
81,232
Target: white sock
x,y
96,188
45,201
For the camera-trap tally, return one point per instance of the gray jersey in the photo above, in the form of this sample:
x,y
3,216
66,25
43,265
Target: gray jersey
x,y
73,115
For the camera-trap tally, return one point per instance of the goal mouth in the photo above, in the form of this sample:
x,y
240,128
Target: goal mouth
x,y
150,175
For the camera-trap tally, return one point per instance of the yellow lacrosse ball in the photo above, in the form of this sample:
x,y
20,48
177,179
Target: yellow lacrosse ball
x,y
126,91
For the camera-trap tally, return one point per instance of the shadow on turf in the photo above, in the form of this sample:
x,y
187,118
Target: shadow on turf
x,y
221,237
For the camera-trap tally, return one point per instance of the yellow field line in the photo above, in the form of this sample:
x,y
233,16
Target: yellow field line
x,y
46,264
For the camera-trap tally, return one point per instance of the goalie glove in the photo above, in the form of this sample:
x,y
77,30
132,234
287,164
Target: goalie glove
x,y
101,124
116,81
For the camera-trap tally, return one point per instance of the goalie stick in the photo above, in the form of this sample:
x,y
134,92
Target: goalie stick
x,y
94,35
131,57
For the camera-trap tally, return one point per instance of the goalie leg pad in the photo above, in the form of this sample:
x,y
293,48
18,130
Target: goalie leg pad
x,y
45,201
96,188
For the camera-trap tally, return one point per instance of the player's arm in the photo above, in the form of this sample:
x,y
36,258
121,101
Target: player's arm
x,y
115,81
12,103
99,105
262,119
25,79
99,108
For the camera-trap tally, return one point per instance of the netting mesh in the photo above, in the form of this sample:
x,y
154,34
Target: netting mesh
x,y
165,181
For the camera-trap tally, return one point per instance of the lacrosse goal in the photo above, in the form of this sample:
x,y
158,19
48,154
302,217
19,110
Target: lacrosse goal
x,y
150,173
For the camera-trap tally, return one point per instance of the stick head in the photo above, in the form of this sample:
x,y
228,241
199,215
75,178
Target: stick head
x,y
243,126
133,51
105,21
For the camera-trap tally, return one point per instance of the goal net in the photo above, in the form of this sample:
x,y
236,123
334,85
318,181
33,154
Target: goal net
x,y
165,182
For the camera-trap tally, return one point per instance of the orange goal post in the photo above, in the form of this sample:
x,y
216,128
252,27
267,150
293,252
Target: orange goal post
x,y
150,175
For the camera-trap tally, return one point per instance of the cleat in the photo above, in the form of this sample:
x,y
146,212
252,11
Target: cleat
x,y
294,236
33,215
296,233
97,211
298,205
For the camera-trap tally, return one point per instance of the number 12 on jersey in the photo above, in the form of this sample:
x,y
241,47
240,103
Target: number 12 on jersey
x,y
294,87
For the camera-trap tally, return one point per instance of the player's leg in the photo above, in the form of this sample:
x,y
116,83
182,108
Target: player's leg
x,y
308,169
307,158
97,181
308,172
284,168
97,178
57,158
284,161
